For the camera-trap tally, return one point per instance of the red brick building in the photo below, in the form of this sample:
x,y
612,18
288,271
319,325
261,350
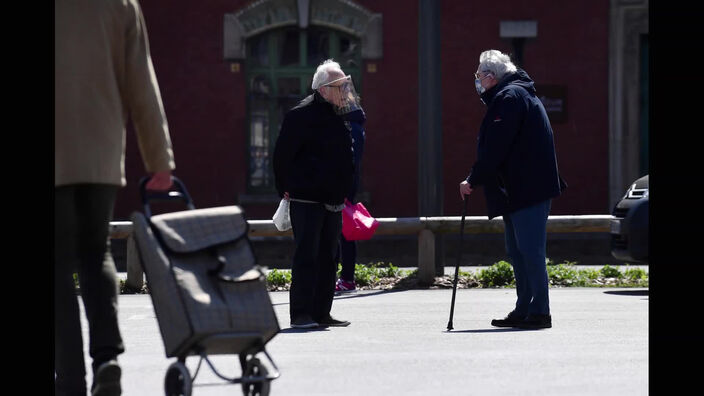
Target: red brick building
x,y
229,69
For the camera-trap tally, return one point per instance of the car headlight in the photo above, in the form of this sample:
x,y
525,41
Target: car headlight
x,y
636,193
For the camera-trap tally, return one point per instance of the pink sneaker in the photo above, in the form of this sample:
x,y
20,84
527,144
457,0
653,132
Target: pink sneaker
x,y
345,286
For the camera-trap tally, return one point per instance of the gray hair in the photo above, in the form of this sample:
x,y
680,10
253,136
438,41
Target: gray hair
x,y
322,73
497,63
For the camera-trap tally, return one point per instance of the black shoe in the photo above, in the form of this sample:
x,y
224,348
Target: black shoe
x,y
511,320
329,321
107,379
303,322
536,321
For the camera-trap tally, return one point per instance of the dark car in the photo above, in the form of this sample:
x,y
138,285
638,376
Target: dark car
x,y
629,227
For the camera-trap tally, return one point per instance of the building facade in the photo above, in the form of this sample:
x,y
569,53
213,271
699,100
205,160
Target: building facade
x,y
229,70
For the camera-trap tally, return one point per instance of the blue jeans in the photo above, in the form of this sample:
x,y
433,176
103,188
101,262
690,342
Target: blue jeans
x,y
525,235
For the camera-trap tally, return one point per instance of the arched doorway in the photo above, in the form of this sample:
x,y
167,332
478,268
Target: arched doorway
x,y
281,42
279,68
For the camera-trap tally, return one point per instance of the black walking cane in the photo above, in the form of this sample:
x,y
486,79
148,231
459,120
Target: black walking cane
x,y
457,267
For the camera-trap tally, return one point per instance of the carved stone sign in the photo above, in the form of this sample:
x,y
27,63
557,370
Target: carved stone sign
x,y
341,15
262,15
265,15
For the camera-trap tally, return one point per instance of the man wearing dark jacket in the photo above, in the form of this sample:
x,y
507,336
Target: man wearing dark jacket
x,y
313,168
517,166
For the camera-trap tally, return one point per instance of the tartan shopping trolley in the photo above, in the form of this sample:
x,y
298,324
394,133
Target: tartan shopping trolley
x,y
208,293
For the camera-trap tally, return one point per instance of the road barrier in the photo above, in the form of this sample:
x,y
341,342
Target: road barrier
x,y
425,227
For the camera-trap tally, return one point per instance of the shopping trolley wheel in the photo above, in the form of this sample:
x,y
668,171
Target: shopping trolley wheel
x,y
254,367
177,381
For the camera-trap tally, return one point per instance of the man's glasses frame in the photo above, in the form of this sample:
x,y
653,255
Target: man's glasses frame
x,y
344,80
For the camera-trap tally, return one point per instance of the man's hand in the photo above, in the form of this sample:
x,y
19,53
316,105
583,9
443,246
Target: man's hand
x,y
160,181
465,189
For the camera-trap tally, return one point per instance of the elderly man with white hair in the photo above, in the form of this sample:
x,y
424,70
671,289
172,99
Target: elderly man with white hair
x,y
517,166
313,169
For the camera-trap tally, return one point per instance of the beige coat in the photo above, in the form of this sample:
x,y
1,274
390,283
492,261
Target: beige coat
x,y
103,76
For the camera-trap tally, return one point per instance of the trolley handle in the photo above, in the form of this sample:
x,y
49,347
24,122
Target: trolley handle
x,y
169,195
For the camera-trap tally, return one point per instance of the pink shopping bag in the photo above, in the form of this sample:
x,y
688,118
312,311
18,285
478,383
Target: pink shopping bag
x,y
357,223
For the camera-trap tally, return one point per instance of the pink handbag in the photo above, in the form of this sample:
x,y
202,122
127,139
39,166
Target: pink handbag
x,y
357,223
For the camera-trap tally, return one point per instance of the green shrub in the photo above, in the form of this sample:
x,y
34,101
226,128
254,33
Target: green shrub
x,y
635,274
277,278
365,275
498,275
390,271
586,277
562,274
611,272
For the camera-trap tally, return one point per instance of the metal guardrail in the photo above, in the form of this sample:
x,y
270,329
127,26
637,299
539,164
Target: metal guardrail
x,y
413,225
424,227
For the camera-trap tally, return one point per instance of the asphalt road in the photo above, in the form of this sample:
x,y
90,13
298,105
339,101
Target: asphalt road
x,y
398,344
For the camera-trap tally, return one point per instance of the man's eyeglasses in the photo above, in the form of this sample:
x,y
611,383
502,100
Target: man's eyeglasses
x,y
486,73
338,83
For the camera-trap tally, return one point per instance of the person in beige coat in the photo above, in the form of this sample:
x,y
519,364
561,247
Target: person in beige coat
x,y
103,76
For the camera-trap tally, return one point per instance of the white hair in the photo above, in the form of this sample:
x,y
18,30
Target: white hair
x,y
322,73
497,63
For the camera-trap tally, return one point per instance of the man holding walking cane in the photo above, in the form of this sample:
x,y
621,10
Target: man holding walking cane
x,y
517,166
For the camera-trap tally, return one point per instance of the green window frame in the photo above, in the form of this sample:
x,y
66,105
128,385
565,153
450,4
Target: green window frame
x,y
279,70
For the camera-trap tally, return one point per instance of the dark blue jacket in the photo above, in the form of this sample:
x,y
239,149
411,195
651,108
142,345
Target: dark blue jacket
x,y
313,158
356,120
516,162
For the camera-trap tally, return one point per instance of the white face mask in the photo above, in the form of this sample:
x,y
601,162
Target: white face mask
x,y
478,83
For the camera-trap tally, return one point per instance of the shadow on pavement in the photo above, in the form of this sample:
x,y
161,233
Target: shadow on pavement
x,y
501,330
352,295
294,330
357,295
628,292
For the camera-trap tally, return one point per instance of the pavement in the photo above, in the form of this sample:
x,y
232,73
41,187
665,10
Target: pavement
x,y
398,344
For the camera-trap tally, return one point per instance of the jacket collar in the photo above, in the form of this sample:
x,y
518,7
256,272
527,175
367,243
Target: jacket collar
x,y
320,101
318,98
520,77
490,93
356,116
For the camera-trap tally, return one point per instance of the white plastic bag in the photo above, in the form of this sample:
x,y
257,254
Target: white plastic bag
x,y
281,218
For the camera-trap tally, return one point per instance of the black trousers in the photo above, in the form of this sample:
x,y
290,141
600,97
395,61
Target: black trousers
x,y
82,215
348,257
316,232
